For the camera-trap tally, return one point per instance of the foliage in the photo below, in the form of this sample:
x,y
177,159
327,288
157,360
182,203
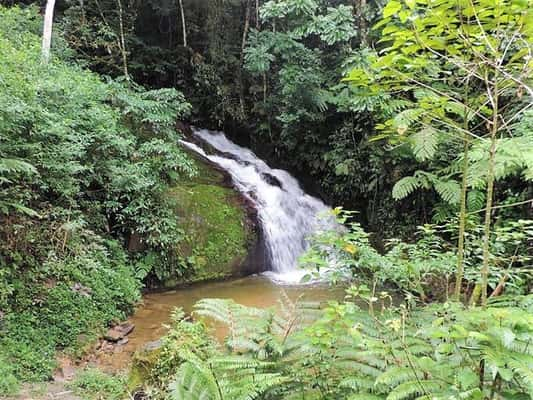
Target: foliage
x,y
64,306
412,267
185,339
446,74
95,385
441,351
81,135
9,385
425,267
84,164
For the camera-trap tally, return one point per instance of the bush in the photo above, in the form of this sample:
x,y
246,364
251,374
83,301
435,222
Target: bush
x,y
84,294
84,163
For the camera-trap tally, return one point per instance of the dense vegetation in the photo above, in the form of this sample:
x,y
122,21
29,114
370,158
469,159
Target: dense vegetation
x,y
418,114
271,73
83,163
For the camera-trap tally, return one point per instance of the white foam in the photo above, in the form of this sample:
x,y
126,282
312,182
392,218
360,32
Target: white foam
x,y
288,215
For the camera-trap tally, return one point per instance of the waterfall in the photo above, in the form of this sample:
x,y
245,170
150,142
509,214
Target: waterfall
x,y
288,215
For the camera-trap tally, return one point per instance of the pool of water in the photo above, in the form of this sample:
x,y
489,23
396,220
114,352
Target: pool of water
x,y
154,312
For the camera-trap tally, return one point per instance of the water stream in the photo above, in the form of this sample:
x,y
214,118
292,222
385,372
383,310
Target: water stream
x,y
287,216
256,291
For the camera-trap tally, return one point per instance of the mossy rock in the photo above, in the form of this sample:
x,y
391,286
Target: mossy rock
x,y
142,364
219,232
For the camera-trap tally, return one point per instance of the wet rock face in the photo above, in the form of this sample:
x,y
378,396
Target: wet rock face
x,y
271,179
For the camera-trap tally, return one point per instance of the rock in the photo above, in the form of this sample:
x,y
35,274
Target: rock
x,y
122,342
107,347
140,395
83,290
271,179
152,346
65,371
143,361
119,332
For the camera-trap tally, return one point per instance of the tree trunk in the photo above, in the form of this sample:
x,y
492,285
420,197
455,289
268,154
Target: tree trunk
x,y
462,222
359,11
490,193
464,190
257,23
122,40
82,9
183,26
47,30
243,47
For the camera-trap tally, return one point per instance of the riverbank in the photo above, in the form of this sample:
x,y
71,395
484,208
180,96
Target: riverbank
x,y
152,319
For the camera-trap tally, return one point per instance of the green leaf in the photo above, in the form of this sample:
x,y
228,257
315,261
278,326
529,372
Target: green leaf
x,y
391,8
404,187
424,143
449,191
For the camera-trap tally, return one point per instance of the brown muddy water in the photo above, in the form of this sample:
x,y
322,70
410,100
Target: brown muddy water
x,y
154,313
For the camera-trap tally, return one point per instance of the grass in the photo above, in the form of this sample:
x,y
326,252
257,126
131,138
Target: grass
x,y
93,384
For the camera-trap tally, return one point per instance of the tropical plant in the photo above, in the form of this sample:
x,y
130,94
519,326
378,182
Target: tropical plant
x,y
441,351
460,64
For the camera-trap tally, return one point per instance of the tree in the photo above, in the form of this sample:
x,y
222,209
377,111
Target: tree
x,y
465,65
183,26
47,30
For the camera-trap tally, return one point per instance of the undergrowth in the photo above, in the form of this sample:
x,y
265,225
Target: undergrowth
x,y
93,384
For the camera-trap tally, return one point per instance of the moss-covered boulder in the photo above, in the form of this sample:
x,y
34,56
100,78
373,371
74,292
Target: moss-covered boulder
x,y
142,364
218,225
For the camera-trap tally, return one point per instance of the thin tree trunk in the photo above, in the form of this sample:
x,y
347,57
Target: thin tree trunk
x,y
243,47
47,30
462,222
122,40
464,190
488,204
257,23
183,26
82,8
362,23
358,11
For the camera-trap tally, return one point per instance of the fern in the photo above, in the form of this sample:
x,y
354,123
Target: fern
x,y
404,187
223,378
395,376
449,191
422,359
424,143
366,396
404,119
414,389
11,165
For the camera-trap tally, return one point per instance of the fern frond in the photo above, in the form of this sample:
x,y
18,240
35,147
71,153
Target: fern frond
x,y
424,143
371,358
194,381
12,165
449,191
394,376
354,366
366,396
404,187
414,388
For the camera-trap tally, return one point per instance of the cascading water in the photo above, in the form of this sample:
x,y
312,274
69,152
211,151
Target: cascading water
x,y
288,216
